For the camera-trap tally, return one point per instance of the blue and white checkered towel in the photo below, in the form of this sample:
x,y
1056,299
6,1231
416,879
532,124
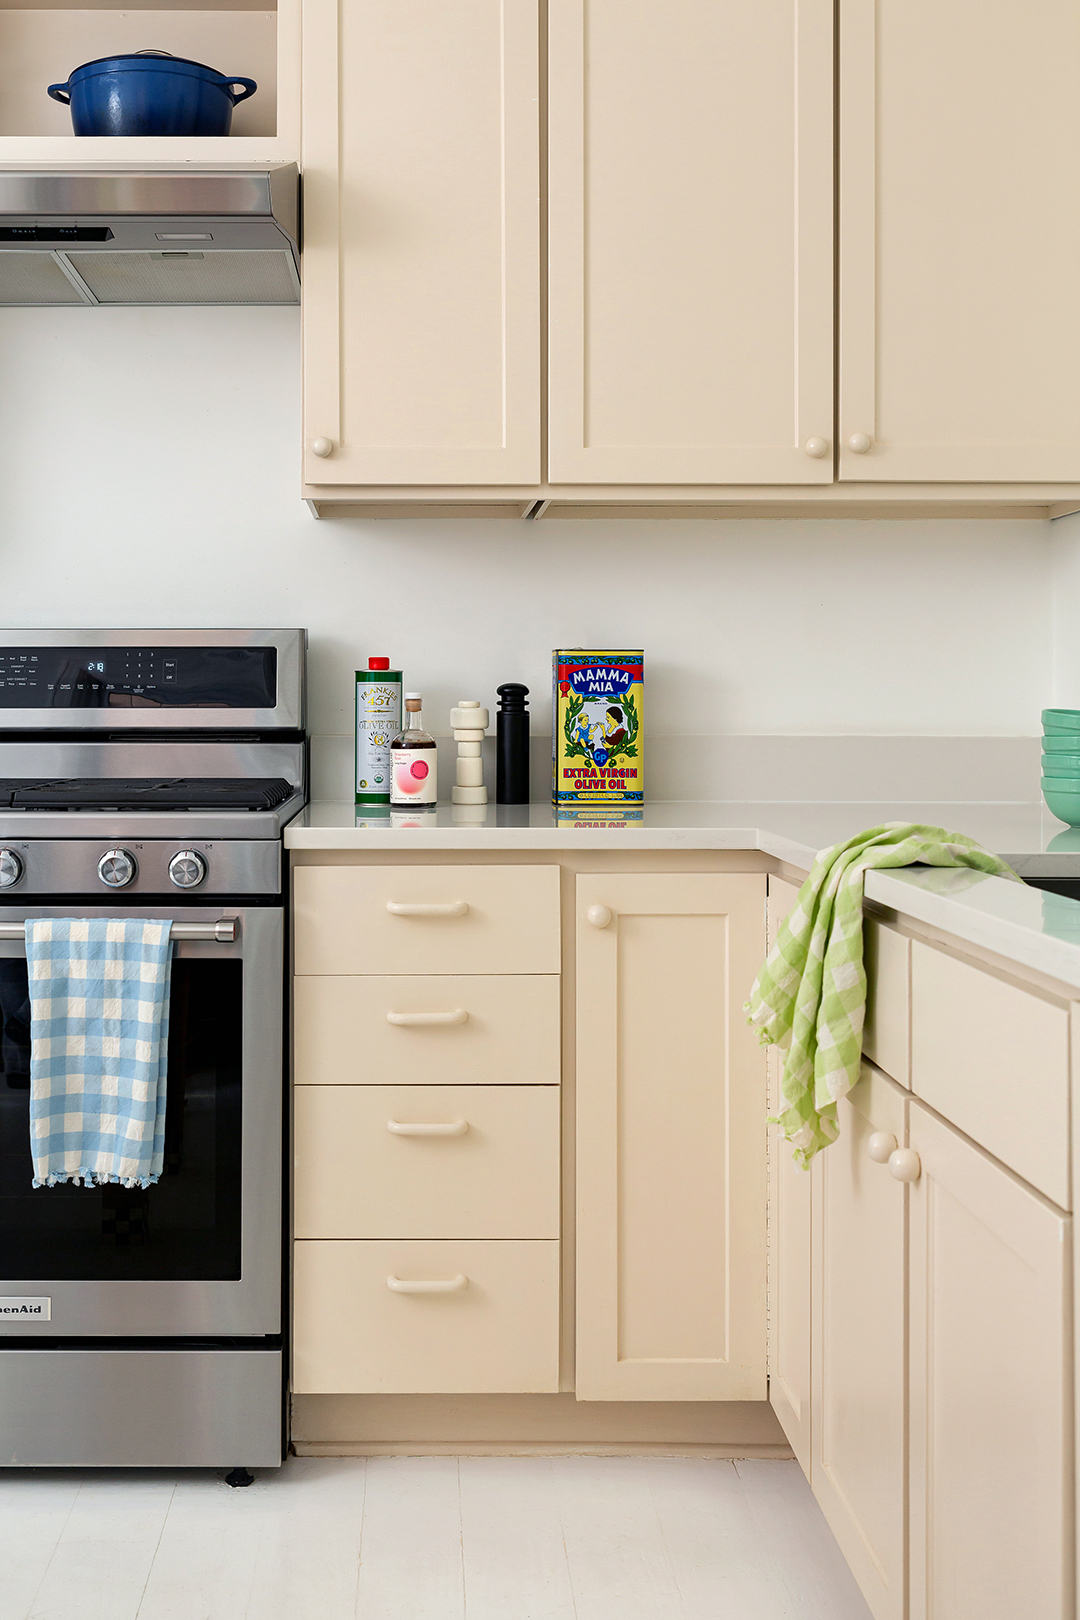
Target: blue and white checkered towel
x,y
99,1042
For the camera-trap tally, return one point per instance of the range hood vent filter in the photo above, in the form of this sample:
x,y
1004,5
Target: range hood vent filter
x,y
35,279
263,277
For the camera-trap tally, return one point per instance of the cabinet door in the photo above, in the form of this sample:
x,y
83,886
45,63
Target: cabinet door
x,y
789,1249
671,1139
691,251
989,1383
421,241
858,1466
959,240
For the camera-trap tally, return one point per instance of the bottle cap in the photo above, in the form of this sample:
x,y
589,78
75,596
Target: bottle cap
x,y
378,663
415,695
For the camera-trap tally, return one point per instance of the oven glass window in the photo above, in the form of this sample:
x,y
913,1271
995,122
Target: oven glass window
x,y
187,1226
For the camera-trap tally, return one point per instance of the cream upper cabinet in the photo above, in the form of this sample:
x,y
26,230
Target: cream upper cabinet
x,y
990,1406
959,240
670,1138
421,242
789,1248
690,241
858,1467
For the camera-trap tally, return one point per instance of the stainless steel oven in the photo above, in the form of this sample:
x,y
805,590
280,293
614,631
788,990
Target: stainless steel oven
x,y
149,774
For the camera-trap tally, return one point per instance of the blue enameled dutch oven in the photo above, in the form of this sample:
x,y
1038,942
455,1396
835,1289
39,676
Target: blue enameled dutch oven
x,y
151,93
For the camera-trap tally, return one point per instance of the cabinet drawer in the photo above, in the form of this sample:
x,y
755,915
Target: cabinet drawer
x,y
347,1033
887,959
454,919
994,1059
496,1333
483,1164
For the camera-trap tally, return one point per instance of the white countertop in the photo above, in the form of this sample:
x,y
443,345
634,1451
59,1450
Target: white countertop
x,y
1030,927
1026,835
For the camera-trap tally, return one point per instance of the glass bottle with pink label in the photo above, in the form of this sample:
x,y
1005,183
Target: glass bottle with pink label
x,y
413,760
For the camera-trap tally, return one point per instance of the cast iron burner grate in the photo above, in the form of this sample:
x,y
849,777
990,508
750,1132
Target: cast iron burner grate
x,y
147,793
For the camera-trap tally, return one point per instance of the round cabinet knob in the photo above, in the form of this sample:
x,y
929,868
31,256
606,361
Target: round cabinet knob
x,y
11,868
599,916
322,447
905,1164
859,443
817,448
187,869
881,1146
117,868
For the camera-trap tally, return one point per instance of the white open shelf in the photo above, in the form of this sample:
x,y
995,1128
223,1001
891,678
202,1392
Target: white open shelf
x,y
41,44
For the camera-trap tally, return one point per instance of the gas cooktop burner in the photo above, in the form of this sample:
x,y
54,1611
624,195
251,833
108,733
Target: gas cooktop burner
x,y
147,793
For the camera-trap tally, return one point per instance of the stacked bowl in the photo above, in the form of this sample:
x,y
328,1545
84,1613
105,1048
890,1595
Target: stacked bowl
x,y
1061,763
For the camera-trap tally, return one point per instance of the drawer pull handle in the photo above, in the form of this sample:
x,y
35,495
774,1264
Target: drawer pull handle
x,y
454,1286
454,1127
427,908
457,1016
880,1146
905,1164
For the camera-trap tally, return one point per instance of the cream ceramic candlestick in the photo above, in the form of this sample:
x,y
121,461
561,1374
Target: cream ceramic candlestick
x,y
469,722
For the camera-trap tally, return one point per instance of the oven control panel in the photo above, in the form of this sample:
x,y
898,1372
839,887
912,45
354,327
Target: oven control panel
x,y
149,866
138,677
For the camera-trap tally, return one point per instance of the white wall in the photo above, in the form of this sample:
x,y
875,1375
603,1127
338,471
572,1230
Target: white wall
x,y
149,475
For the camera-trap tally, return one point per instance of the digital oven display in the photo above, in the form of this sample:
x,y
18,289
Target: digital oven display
x,y
138,677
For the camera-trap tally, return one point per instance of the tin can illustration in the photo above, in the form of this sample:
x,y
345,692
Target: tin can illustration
x,y
597,726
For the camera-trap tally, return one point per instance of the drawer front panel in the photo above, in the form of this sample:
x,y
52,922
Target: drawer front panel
x,y
887,959
348,1031
994,1059
459,1162
426,919
498,1333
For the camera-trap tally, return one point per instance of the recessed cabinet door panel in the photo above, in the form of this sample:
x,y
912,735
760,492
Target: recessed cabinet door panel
x,y
789,1249
671,1139
691,289
858,1466
959,240
989,1375
421,241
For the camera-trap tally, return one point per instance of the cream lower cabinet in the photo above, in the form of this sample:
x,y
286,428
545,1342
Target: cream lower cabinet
x,y
990,1389
935,1318
789,1249
670,1139
857,1452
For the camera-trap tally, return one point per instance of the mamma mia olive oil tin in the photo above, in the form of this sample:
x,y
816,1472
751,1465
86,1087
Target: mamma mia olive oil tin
x,y
378,718
597,727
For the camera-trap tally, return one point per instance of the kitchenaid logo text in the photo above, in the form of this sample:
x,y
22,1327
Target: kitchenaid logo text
x,y
39,1305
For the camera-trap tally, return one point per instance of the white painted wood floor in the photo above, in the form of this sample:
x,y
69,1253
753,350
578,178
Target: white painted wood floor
x,y
419,1538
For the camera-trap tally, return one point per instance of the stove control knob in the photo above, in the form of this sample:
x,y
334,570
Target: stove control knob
x,y
117,868
11,868
187,869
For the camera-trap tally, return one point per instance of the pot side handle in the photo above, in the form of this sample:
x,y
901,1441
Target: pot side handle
x,y
61,93
249,89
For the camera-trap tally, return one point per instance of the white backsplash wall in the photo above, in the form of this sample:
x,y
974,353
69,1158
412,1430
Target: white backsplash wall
x,y
149,475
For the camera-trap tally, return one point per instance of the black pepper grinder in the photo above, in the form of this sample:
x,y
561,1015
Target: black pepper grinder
x,y
512,745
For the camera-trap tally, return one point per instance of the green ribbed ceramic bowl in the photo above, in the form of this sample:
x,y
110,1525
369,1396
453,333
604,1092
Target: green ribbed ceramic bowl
x,y
1058,720
1061,742
1061,765
1063,802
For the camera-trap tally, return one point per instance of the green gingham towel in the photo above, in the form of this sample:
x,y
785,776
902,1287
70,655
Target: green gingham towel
x,y
812,989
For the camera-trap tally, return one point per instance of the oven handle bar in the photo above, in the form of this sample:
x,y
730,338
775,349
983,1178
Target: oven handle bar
x,y
224,930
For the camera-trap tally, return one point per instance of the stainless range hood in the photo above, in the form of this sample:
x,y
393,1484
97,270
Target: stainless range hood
x,y
204,235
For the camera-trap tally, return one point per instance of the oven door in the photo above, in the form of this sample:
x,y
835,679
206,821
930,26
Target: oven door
x,y
200,1252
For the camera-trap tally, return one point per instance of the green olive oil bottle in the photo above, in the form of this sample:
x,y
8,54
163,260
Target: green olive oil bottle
x,y
378,719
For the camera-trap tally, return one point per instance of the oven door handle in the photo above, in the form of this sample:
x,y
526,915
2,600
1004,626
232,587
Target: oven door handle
x,y
225,930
